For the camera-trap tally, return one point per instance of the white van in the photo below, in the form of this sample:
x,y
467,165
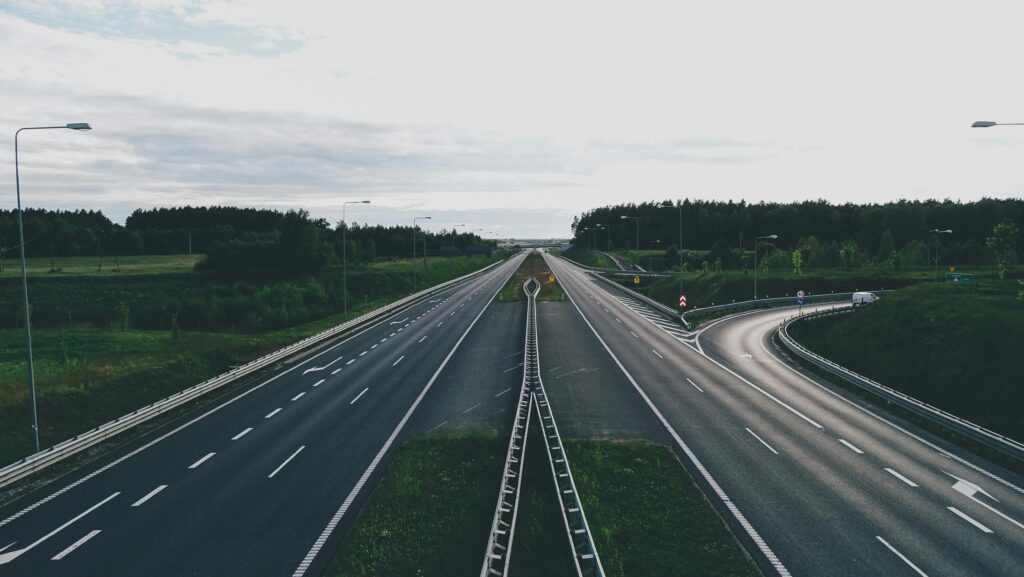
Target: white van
x,y
864,298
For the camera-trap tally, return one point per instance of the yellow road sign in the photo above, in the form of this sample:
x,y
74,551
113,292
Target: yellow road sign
x,y
551,278
636,279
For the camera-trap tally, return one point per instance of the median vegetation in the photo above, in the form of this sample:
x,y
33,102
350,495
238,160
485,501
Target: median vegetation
x,y
431,513
533,266
955,346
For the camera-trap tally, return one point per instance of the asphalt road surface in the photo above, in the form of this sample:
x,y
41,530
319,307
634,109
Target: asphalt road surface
x,y
813,480
259,482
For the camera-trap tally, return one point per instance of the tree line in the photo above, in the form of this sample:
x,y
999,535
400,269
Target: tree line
x,y
234,239
811,233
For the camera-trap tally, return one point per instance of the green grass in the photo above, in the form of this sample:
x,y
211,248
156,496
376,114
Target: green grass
x,y
648,516
67,266
590,258
431,512
533,266
956,347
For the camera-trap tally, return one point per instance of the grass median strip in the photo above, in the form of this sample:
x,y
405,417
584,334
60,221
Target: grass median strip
x,y
430,514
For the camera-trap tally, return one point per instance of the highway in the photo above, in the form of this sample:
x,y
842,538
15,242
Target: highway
x,y
261,481
813,480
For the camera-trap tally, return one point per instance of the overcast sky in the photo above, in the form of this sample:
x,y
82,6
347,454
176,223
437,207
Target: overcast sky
x,y
514,117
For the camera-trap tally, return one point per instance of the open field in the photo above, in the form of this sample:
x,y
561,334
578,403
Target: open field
x,y
66,266
432,510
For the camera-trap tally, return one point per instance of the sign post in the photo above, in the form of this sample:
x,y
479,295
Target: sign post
x,y
800,301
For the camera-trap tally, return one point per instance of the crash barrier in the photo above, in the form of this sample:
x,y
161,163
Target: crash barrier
x,y
978,433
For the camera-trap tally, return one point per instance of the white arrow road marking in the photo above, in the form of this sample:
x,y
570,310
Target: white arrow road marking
x,y
151,494
314,369
398,322
286,461
11,556
965,517
901,556
969,489
75,545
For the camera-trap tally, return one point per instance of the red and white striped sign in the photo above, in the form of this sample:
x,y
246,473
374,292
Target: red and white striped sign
x,y
682,301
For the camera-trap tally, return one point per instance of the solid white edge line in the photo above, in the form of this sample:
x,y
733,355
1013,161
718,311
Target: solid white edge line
x,y
740,518
202,460
300,571
286,461
967,518
850,446
398,361
901,556
242,434
75,545
353,401
900,477
149,495
770,448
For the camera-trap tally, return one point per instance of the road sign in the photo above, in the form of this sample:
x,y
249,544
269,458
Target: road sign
x,y
551,278
800,294
636,279
682,301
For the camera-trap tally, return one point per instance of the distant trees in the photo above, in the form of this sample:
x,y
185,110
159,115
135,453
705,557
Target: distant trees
x,y
1003,243
830,235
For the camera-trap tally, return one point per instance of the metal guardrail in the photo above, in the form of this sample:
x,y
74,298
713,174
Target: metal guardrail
x,y
978,433
773,303
533,397
499,544
38,461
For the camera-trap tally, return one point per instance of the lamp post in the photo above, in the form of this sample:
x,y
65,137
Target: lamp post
x,y
24,277
344,252
680,244
637,245
453,235
989,123
937,232
414,282
756,239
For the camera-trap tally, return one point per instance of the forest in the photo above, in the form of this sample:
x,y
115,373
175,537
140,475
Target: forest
x,y
234,239
825,235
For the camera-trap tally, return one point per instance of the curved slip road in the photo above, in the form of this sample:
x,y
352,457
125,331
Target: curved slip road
x,y
812,480
259,482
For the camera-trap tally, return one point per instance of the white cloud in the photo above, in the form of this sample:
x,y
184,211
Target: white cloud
x,y
468,106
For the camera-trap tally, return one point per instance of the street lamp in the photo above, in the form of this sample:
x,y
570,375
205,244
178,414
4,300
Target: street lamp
x,y
414,283
24,276
937,232
989,123
768,237
344,252
637,245
680,244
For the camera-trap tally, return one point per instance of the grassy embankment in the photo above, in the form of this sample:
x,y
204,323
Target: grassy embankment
x,y
590,258
66,266
430,514
533,266
87,376
953,346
